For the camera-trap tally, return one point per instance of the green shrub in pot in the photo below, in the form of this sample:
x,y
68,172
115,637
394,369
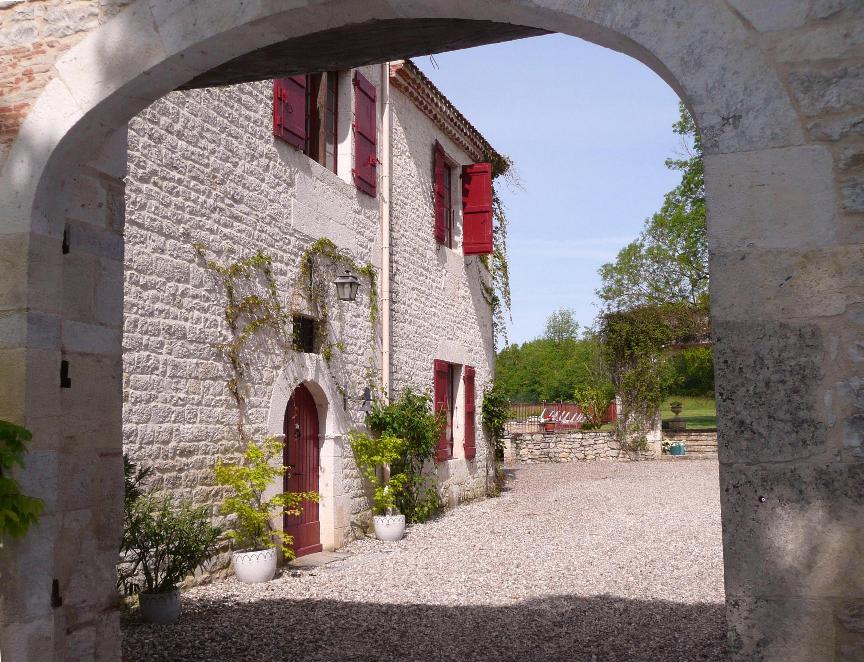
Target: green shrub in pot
x,y
163,542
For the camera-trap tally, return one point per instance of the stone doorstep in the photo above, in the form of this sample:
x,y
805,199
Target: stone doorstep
x,y
317,559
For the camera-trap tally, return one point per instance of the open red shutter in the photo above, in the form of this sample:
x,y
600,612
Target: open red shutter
x,y
470,421
439,195
441,388
477,209
289,110
365,135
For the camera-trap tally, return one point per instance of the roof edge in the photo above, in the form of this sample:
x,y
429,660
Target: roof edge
x,y
413,83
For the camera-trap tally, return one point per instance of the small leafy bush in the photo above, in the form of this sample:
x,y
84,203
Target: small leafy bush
x,y
17,511
163,542
411,419
248,481
373,454
593,400
496,411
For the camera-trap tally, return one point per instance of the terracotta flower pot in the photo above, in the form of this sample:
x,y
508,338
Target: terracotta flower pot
x,y
549,426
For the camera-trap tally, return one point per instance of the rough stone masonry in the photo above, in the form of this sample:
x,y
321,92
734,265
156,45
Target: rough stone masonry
x,y
776,90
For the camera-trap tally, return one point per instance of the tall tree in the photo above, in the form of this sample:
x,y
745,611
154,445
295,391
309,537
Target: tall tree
x,y
561,325
668,262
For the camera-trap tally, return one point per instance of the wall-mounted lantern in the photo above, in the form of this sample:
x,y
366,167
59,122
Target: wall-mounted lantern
x,y
347,286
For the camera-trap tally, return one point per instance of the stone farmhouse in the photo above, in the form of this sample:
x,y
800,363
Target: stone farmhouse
x,y
222,173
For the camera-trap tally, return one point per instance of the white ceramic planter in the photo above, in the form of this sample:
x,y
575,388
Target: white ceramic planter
x,y
254,567
389,527
161,608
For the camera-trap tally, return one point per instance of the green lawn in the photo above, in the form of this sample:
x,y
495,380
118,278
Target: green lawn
x,y
700,413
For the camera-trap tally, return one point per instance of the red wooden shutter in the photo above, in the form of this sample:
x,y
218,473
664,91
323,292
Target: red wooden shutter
x,y
440,390
470,422
439,195
289,110
365,135
477,209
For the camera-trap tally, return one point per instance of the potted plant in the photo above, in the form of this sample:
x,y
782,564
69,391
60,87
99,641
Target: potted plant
x,y
374,455
675,447
163,542
411,418
255,555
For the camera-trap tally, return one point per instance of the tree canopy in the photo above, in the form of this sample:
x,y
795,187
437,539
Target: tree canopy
x,y
668,262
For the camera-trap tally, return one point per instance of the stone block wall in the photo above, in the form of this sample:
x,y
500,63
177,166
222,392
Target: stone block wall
x,y
204,168
439,311
575,446
699,443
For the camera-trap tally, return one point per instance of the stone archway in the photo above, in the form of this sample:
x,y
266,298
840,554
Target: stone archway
x,y
311,371
785,243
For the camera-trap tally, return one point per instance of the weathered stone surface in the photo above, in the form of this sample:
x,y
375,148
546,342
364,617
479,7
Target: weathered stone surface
x,y
782,198
823,9
837,128
773,16
834,90
853,194
803,524
767,389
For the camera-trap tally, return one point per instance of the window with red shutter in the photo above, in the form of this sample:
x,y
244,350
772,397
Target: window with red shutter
x,y
289,110
442,390
439,188
477,209
470,444
365,136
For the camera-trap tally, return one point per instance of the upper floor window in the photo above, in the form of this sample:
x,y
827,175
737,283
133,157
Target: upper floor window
x,y
322,98
305,109
443,190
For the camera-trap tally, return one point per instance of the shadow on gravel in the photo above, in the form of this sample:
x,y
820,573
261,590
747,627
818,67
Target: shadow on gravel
x,y
556,628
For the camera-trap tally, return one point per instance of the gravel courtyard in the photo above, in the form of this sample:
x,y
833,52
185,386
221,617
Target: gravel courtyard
x,y
599,561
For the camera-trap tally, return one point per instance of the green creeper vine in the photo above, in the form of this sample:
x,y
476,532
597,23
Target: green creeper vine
x,y
317,269
248,311
635,345
497,292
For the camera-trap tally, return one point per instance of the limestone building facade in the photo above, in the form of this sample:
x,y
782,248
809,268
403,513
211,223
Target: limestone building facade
x,y
282,169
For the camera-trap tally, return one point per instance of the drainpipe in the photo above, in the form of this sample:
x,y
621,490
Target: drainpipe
x,y
386,128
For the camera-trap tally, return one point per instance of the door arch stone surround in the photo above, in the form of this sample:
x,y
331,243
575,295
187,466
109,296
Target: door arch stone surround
x,y
787,311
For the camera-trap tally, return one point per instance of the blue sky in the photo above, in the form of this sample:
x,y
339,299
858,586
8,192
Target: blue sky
x,y
588,130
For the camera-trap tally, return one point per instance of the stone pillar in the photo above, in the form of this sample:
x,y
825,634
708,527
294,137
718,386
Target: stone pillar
x,y
787,288
71,267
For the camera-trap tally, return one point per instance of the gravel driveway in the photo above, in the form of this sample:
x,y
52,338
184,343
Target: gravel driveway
x,y
599,561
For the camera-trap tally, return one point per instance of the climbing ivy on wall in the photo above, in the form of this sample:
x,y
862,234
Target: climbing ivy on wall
x,y
497,291
252,307
318,267
635,346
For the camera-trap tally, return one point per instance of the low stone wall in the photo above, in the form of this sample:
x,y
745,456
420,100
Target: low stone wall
x,y
572,446
697,442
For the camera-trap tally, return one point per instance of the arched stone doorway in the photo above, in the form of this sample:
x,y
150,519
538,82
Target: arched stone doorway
x,y
302,461
785,257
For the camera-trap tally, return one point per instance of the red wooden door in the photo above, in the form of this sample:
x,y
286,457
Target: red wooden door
x,y
302,461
